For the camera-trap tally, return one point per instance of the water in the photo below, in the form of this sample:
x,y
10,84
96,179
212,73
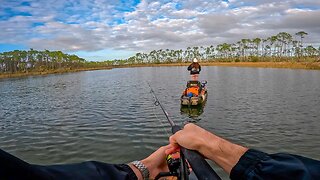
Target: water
x,y
109,115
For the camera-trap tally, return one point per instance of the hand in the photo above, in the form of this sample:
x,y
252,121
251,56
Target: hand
x,y
155,163
221,151
192,137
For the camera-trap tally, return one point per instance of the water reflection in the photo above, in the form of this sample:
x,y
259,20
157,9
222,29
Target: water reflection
x,y
193,112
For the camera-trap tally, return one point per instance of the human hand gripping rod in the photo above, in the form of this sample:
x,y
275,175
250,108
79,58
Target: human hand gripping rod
x,y
199,165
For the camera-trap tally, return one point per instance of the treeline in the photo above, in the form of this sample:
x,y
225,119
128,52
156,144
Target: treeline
x,y
280,47
33,60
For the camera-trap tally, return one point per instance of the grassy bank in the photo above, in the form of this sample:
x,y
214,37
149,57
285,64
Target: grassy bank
x,y
56,71
290,65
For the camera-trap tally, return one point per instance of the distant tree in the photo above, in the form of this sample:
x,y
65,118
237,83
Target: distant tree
x,y
284,38
311,51
302,35
256,42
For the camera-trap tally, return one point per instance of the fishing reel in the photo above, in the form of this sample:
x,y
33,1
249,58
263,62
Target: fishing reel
x,y
178,167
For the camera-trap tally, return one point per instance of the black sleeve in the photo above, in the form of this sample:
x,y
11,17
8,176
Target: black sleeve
x,y
199,68
258,165
13,168
190,67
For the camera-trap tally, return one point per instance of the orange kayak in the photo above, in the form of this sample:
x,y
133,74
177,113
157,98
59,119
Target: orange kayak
x,y
194,94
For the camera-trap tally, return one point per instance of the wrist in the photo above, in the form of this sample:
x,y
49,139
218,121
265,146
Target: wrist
x,y
149,165
136,171
140,169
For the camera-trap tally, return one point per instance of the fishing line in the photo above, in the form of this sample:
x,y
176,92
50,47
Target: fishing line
x,y
162,124
157,103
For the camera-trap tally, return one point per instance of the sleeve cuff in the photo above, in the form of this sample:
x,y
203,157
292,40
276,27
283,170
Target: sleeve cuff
x,y
247,164
126,168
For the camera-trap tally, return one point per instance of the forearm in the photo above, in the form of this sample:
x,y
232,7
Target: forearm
x,y
241,163
222,152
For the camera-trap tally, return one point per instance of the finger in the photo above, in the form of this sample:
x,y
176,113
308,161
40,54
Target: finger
x,y
172,150
176,155
189,126
169,151
173,140
163,148
161,151
166,148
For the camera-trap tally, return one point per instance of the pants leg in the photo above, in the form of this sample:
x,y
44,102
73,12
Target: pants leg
x,y
194,77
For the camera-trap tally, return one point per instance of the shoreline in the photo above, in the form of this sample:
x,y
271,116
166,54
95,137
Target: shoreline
x,y
43,73
287,65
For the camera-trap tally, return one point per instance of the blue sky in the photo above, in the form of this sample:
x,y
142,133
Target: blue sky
x,y
113,29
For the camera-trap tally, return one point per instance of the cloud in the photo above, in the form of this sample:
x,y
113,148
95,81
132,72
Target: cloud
x,y
213,24
141,26
300,19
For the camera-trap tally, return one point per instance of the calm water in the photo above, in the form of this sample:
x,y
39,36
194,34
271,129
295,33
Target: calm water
x,y
109,115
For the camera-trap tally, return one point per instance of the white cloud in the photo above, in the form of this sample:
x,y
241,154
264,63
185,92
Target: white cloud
x,y
91,25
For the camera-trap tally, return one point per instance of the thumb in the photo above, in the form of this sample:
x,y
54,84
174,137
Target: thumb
x,y
173,140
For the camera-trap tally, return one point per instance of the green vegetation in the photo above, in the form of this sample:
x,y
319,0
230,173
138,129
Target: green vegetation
x,y
44,62
282,47
25,61
277,48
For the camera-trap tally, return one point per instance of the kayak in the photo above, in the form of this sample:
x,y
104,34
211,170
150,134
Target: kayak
x,y
194,94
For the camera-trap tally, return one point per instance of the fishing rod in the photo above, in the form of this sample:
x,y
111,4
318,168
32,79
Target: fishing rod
x,y
199,165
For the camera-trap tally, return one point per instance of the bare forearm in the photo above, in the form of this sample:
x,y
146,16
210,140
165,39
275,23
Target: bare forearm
x,y
222,152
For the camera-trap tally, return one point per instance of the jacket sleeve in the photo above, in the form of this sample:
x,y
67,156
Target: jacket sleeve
x,y
259,165
190,67
13,168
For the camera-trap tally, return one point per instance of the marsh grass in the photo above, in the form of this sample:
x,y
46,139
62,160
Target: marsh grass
x,y
307,63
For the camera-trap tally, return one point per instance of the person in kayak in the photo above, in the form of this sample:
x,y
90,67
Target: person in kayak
x,y
238,161
194,69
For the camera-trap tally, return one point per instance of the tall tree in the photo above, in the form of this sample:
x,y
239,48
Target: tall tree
x,y
302,35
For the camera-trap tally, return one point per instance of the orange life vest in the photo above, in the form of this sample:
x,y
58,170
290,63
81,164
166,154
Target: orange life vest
x,y
193,90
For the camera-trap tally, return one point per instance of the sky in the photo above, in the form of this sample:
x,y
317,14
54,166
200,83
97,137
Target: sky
x,y
117,29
